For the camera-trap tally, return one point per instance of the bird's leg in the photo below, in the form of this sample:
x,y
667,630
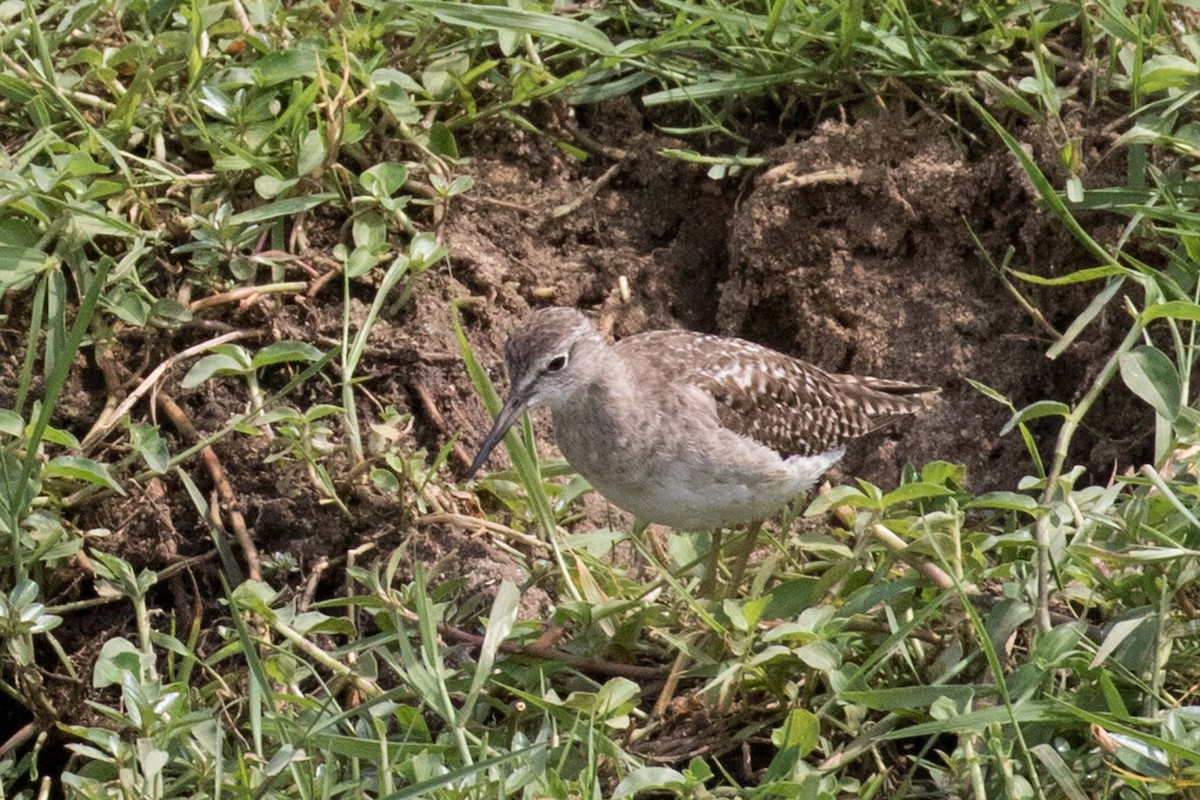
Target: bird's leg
x,y
739,569
711,571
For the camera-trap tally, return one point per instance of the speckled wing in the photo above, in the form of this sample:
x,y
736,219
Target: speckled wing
x,y
787,405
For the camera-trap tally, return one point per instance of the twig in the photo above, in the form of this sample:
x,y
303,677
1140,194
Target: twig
x,y
245,292
845,517
225,492
484,525
589,192
106,422
27,732
783,174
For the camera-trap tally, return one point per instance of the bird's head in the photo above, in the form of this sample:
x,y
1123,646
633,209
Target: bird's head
x,y
549,358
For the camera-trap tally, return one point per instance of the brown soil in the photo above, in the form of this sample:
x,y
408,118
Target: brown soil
x,y
853,250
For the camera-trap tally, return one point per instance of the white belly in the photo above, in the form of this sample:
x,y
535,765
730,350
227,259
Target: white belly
x,y
691,479
691,499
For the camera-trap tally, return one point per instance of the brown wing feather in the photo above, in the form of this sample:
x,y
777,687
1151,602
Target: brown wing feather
x,y
790,406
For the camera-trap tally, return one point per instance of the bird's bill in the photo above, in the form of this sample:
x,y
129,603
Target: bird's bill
x,y
513,408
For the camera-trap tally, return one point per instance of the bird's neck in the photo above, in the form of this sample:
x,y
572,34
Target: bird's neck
x,y
603,388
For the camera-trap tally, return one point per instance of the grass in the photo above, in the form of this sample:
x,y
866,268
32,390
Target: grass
x,y
165,160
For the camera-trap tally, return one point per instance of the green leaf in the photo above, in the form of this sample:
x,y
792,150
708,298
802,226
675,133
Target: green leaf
x,y
282,208
1151,375
288,64
361,261
207,367
649,779
314,622
910,492
118,658
989,392
820,655
255,596
1080,323
500,624
838,495
19,263
384,180
61,438
1174,309
281,352
11,423
82,469
1118,633
1167,71
911,698
798,736
1005,501
1042,408
312,153
149,444
1007,95
369,231
441,140
499,18
171,310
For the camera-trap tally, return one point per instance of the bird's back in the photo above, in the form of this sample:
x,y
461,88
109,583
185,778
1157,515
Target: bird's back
x,y
792,407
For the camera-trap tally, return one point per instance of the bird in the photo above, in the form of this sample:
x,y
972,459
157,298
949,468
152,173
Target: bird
x,y
694,431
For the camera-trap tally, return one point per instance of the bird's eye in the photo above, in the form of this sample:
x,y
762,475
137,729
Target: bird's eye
x,y
557,363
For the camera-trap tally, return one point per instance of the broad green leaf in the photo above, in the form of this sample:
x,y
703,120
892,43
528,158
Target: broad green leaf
x,y
281,352
820,655
312,153
441,141
82,469
207,367
11,423
1151,375
1117,634
171,310
17,263
384,180
361,261
286,65
118,657
801,730
1004,501
910,492
1174,309
150,445
839,495
314,622
282,208
799,735
369,231
1167,71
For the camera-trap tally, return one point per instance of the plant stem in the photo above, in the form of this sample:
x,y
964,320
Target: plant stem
x,y
1065,434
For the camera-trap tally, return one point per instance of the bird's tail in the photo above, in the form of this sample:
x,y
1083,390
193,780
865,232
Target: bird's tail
x,y
883,398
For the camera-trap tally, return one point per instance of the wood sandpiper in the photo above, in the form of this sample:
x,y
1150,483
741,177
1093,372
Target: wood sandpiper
x,y
689,430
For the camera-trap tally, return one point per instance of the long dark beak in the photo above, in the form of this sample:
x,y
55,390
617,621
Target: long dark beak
x,y
513,408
